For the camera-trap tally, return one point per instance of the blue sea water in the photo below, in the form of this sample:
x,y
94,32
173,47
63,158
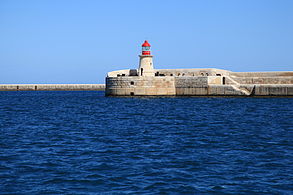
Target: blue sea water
x,y
85,143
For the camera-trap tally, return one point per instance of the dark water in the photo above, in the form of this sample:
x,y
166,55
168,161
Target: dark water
x,y
84,143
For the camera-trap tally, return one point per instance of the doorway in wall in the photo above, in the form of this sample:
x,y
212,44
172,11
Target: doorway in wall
x,y
141,71
224,80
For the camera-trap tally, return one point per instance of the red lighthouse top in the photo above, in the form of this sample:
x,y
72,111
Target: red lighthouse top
x,y
146,48
146,44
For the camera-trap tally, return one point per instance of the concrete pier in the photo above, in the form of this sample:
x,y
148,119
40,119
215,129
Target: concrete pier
x,y
52,87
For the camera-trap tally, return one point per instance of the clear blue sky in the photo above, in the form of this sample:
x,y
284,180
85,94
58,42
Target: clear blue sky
x,y
70,41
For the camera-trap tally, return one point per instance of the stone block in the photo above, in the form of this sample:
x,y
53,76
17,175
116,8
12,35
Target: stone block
x,y
261,90
229,90
277,90
190,91
162,91
290,90
139,91
150,91
214,80
120,91
128,91
179,91
171,91
213,90
201,91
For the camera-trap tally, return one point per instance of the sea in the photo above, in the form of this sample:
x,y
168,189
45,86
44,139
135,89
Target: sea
x,y
81,142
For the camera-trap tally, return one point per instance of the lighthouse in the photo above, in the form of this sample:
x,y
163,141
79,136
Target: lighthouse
x,y
146,67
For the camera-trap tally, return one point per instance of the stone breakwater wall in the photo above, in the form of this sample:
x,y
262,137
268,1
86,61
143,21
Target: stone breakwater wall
x,y
52,87
196,86
264,80
128,86
229,90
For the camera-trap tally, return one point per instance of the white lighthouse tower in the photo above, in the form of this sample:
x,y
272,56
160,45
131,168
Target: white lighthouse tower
x,y
146,67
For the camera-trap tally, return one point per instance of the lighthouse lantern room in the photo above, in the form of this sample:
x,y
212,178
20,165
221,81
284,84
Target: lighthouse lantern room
x,y
146,48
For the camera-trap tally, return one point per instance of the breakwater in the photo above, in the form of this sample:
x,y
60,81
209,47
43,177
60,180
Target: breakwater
x,y
190,86
199,82
52,87
148,81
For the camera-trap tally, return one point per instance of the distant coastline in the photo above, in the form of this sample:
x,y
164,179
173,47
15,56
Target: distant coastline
x,y
52,87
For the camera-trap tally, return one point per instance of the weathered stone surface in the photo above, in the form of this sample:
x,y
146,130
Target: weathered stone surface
x,y
190,82
264,80
215,80
140,85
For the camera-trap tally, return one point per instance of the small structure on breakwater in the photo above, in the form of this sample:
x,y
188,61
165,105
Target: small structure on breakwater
x,y
147,81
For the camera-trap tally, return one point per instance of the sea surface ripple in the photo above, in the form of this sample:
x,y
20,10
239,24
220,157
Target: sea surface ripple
x,y
85,143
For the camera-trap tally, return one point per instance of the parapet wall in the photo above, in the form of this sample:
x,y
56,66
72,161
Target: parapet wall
x,y
192,72
173,72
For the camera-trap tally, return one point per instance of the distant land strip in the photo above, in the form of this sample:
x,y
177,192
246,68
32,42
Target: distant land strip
x,y
52,87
